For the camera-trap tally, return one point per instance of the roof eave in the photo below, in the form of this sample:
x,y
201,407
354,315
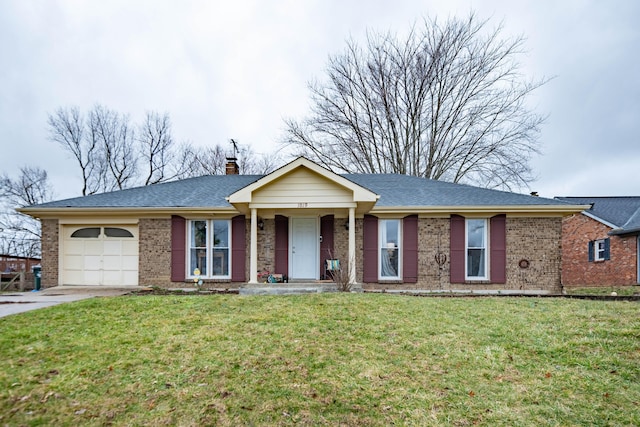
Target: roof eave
x,y
55,212
479,209
624,231
600,220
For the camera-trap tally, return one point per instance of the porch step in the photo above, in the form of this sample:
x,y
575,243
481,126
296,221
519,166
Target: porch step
x,y
287,288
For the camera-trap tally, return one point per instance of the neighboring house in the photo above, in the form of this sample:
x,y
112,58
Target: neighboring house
x,y
392,232
600,245
12,263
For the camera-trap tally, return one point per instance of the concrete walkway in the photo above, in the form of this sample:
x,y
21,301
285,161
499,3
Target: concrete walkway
x,y
19,302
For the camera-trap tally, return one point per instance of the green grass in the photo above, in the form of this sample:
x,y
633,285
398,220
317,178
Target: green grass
x,y
327,359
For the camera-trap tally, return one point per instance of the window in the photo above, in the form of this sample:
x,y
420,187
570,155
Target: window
x,y
86,233
389,249
198,248
94,232
117,232
209,248
220,248
476,251
599,250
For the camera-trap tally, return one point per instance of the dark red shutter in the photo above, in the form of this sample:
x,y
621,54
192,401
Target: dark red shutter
x,y
456,249
178,248
410,249
326,246
282,245
498,249
370,249
238,249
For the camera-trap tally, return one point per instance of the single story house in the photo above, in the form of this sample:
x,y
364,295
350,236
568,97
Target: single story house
x,y
388,231
600,245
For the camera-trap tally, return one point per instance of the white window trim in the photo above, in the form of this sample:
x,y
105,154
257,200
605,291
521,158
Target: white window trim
x,y
466,250
380,248
210,248
598,254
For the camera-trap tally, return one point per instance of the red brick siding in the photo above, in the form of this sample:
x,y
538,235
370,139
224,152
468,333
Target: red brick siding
x,y
577,231
50,248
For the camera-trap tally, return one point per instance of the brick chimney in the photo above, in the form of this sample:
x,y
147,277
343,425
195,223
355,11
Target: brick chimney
x,y
232,166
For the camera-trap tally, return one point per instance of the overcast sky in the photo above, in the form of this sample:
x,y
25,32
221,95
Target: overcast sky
x,y
235,69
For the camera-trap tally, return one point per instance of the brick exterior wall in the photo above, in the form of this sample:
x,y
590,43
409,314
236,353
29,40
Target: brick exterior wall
x,y
537,240
50,258
154,252
266,247
621,269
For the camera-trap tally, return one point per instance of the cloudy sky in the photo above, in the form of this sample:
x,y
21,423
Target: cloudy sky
x,y
235,69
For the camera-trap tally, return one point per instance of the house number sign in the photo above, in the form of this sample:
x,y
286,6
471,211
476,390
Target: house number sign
x,y
303,205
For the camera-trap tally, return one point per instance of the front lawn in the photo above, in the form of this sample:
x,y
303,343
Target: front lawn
x,y
325,359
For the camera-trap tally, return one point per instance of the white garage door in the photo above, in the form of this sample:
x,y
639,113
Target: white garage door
x,y
100,255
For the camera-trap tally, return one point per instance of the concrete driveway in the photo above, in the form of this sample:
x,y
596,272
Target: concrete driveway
x,y
18,302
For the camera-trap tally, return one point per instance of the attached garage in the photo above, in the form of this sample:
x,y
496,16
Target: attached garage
x,y
100,255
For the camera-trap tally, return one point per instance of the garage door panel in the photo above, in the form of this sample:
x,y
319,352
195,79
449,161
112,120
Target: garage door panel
x,y
74,248
130,263
93,247
92,262
74,262
113,278
112,247
74,277
91,278
130,278
130,248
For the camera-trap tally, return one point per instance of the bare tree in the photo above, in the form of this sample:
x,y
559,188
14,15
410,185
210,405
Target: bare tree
x,y
21,233
261,163
197,161
67,128
116,141
447,102
156,142
113,156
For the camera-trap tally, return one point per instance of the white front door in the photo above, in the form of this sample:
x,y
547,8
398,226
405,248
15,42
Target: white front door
x,y
304,249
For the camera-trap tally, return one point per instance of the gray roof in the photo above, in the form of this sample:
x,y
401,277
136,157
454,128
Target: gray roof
x,y
621,213
405,190
212,190
203,191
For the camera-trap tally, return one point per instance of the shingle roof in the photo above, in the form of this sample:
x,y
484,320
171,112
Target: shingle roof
x,y
203,191
404,190
621,213
394,191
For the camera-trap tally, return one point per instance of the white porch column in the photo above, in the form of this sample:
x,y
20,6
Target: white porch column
x,y
352,245
253,255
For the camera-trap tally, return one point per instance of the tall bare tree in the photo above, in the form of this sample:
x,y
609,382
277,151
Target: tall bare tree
x,y
67,127
115,137
20,234
156,147
446,102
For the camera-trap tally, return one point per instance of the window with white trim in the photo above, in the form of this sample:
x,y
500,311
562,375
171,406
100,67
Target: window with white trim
x,y
599,250
390,244
476,250
209,248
